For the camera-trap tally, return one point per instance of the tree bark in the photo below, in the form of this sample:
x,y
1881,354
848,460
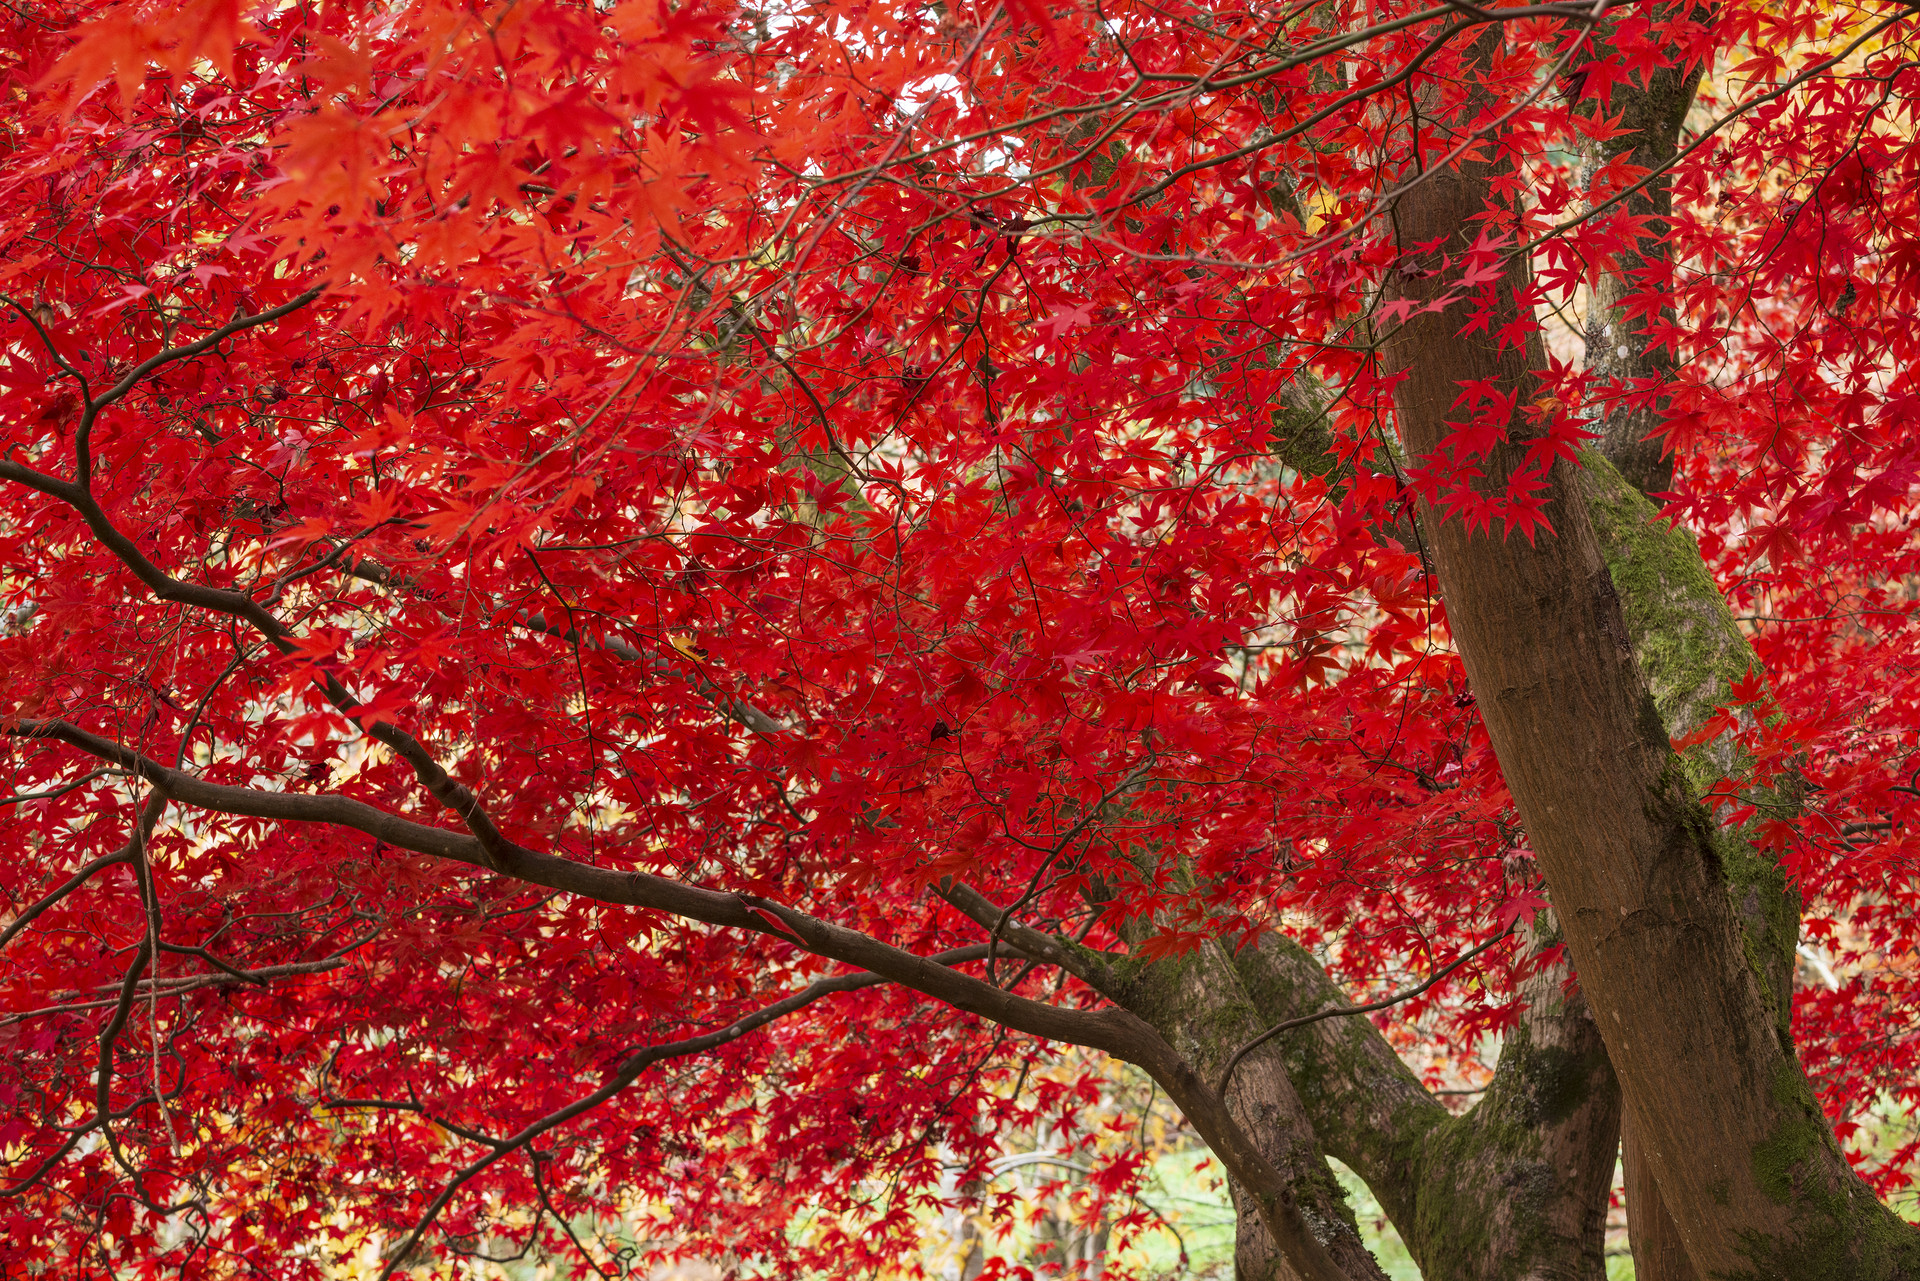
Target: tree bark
x,y
1200,1004
1517,1186
1637,869
1683,637
1658,1252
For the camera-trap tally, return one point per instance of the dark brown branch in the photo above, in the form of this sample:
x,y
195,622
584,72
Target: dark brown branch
x,y
109,1036
226,967
1022,938
1114,1031
20,798
182,984
83,460
745,713
624,1075
1104,1029
441,785
72,883
133,376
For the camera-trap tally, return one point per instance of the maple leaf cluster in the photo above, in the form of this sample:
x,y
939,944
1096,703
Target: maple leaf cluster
x,y
826,453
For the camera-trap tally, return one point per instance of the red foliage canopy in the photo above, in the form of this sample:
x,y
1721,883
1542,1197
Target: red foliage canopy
x,y
826,455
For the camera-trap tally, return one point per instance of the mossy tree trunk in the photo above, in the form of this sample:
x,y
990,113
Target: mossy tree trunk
x,y
1516,1187
1683,636
1617,348
1643,882
1609,636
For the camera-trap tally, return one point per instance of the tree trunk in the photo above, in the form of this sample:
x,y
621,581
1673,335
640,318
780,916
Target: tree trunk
x,y
1685,640
1200,1005
1658,1252
1638,872
1514,1188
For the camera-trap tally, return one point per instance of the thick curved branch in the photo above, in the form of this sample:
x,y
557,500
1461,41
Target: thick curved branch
x,y
1116,1032
1104,1029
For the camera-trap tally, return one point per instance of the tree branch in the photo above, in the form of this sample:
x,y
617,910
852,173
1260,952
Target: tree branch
x,y
624,1075
1114,1031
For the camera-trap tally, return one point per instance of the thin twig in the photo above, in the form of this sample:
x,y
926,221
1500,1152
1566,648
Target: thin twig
x,y
1226,1073
628,1071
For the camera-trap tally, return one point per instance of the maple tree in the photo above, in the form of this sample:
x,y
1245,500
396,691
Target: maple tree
x,y
625,613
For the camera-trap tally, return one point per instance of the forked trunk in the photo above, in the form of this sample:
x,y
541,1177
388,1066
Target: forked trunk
x,y
1637,869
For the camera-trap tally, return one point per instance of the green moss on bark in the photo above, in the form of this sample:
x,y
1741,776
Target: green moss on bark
x,y
1473,1196
1691,652
1303,440
1802,1131
1844,1233
1684,636
1452,1230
